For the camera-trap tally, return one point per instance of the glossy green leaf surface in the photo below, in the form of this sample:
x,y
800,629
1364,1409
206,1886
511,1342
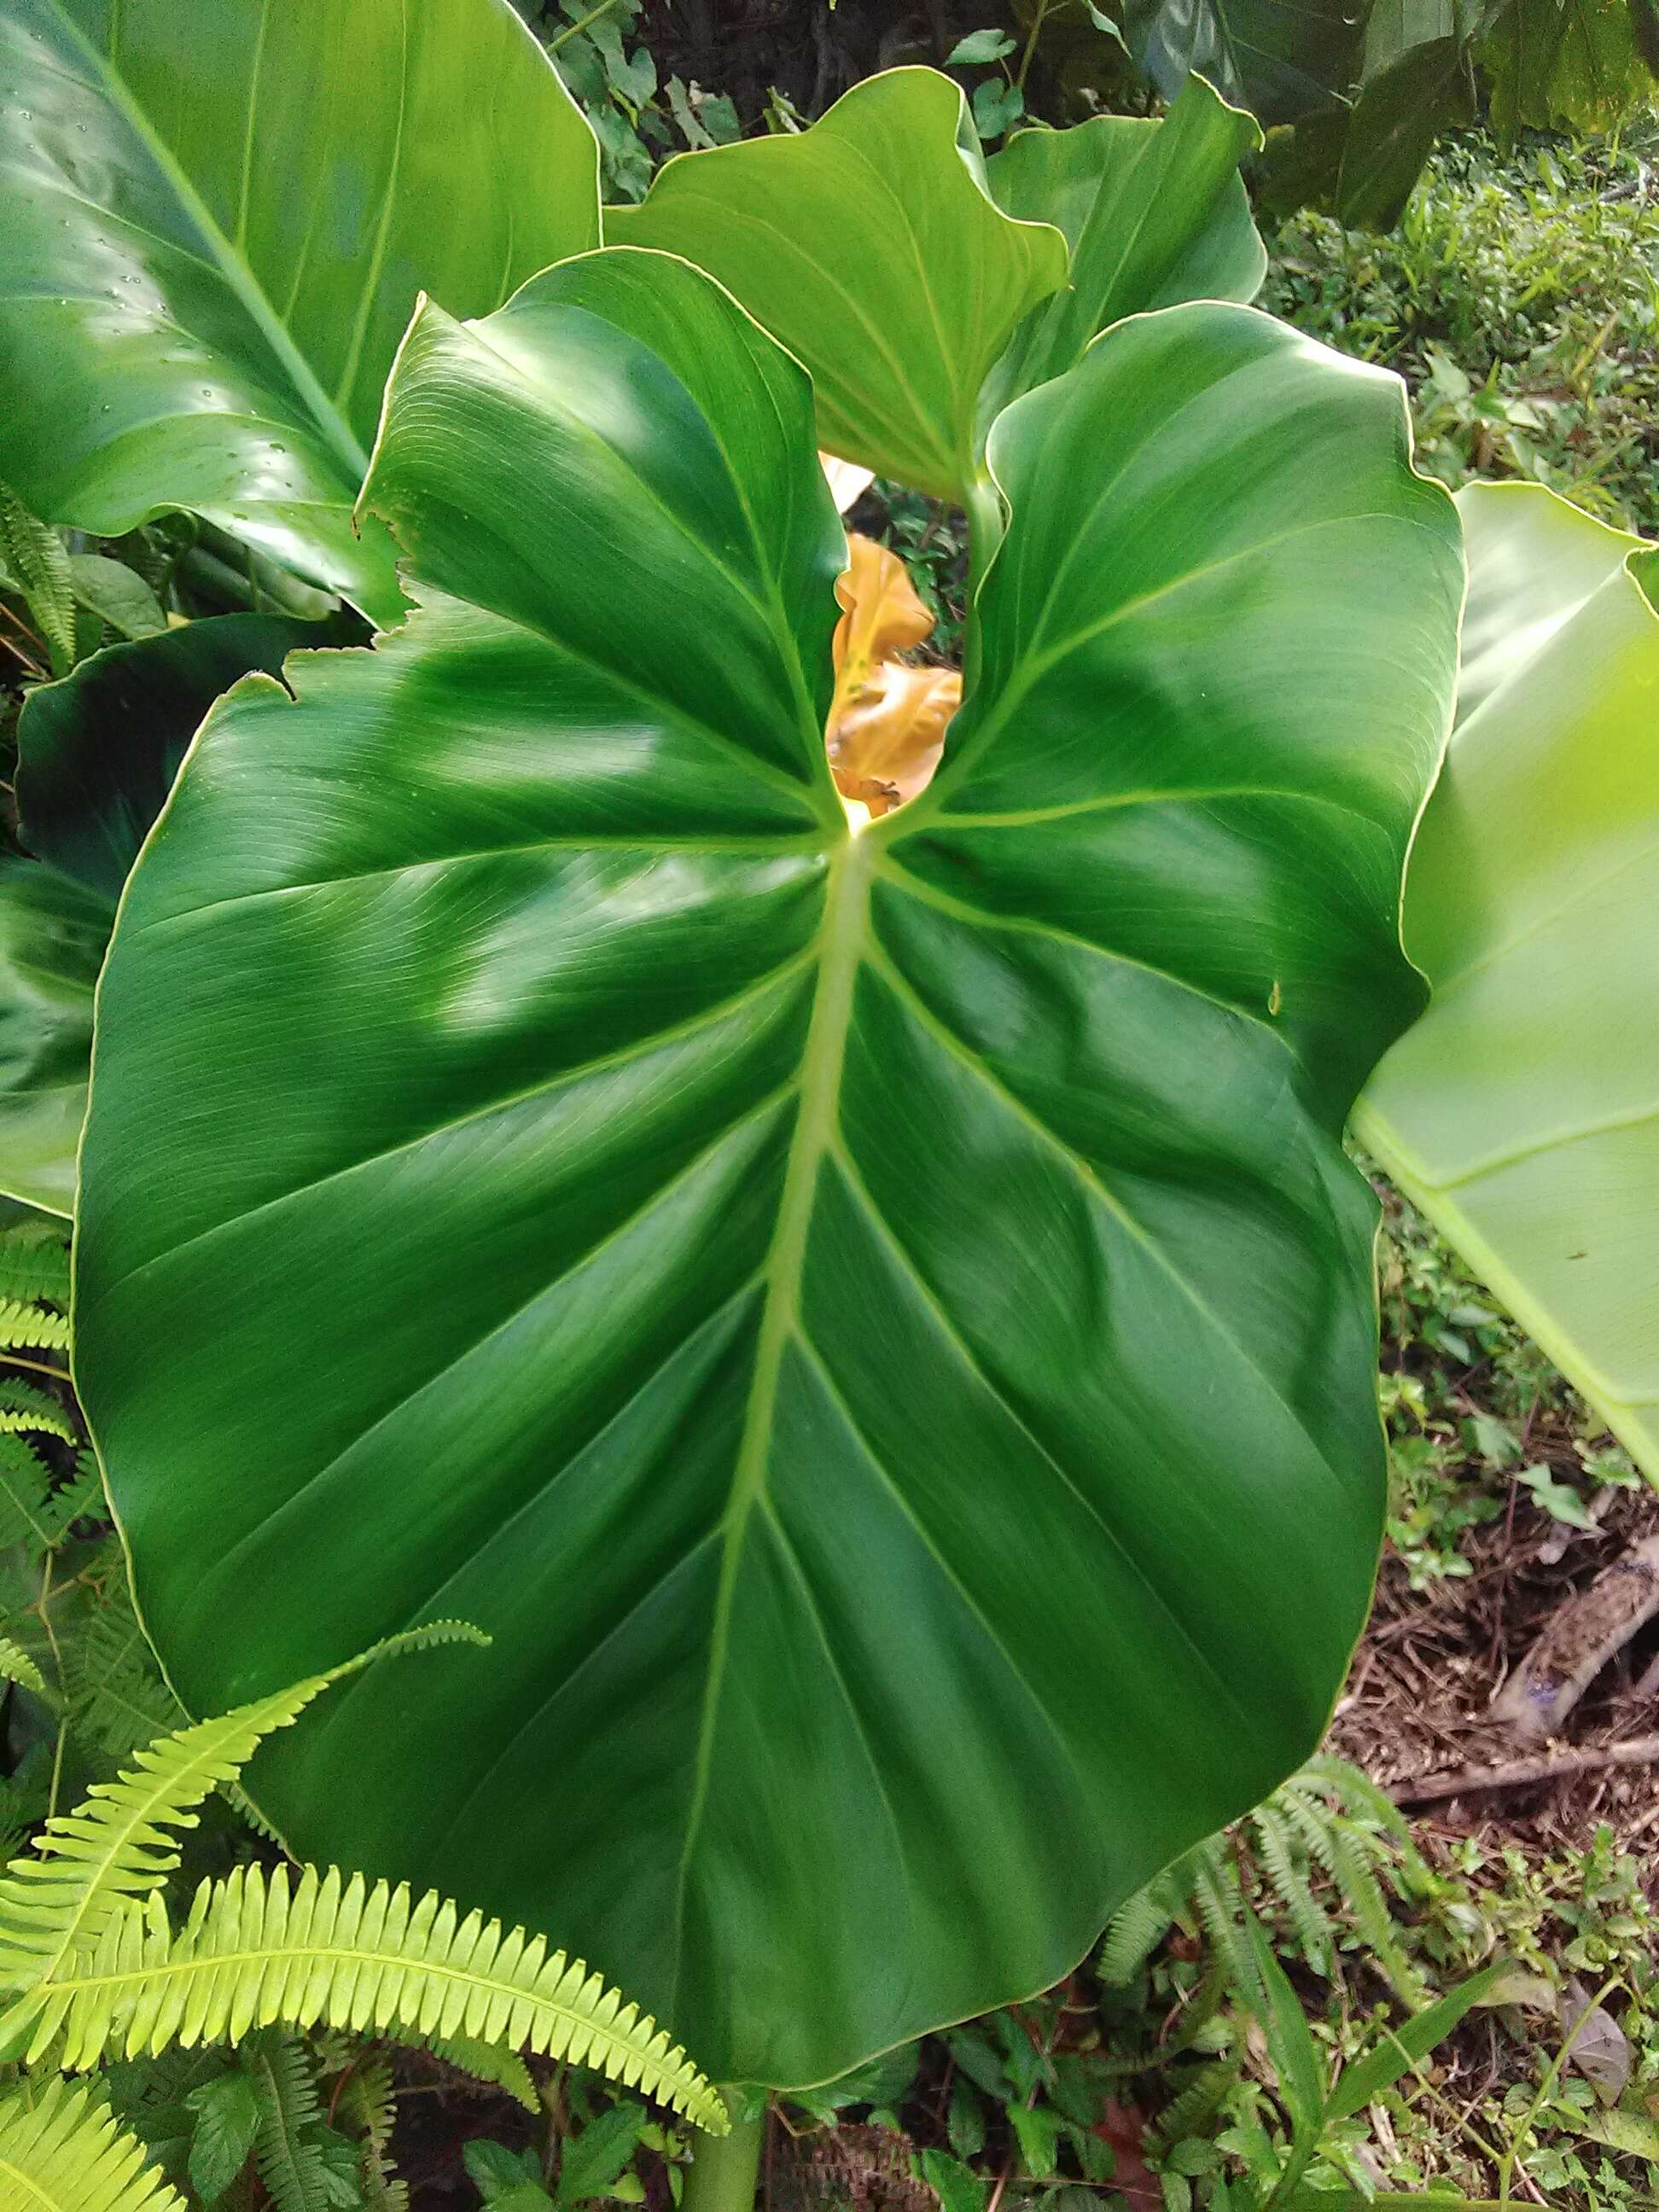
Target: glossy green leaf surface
x,y
53,932
96,755
1155,213
870,246
97,752
1521,1113
873,1325
217,218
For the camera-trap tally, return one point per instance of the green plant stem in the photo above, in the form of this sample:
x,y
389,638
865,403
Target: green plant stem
x,y
601,7
1519,2138
34,1366
1040,11
725,2169
985,527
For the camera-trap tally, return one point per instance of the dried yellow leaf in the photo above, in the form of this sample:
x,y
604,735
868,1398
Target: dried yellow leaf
x,y
887,723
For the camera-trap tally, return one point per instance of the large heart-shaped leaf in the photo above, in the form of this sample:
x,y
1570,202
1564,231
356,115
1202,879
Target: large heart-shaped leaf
x,y
871,245
217,218
1521,1113
96,755
1155,213
873,1324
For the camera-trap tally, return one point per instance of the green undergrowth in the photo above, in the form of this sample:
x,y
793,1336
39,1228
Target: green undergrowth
x,y
1519,298
1149,2070
1481,1428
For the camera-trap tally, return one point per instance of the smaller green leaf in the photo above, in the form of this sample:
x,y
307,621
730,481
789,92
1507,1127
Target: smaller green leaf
x,y
872,247
227,2112
1155,213
1290,2040
486,2062
507,2180
978,47
117,595
1401,2048
996,107
596,2156
957,2188
1559,1499
965,2122
1037,2130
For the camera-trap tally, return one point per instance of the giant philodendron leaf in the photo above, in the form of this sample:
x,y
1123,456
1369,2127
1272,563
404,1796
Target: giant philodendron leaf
x,y
924,287
217,219
1155,213
878,1326
1522,1112
96,755
871,245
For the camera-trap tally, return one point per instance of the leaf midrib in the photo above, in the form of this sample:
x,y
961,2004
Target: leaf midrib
x,y
236,273
841,945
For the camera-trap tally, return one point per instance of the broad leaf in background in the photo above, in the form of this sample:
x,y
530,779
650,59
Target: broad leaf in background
x,y
1416,79
1572,64
778,1259
1154,213
1566,64
872,247
210,287
96,755
1278,58
53,933
1522,1112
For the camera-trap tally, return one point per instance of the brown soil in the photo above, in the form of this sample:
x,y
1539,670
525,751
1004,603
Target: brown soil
x,y
1418,1698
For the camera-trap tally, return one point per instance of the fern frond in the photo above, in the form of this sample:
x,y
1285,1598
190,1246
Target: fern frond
x,y
370,2099
1192,2111
40,566
1356,1793
116,1845
25,1408
1331,1843
81,1498
35,1264
31,1512
488,2063
16,1666
117,1697
290,2163
261,1950
63,2152
1132,1933
1219,1905
1290,1885
26,1327
24,1481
